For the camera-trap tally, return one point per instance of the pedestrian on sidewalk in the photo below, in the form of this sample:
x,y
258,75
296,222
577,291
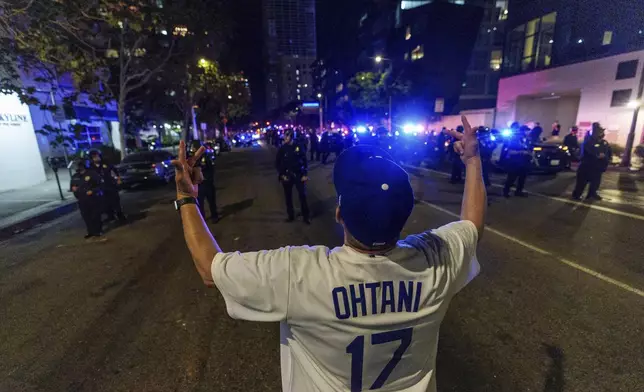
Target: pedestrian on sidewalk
x,y
595,157
365,315
292,168
110,184
86,185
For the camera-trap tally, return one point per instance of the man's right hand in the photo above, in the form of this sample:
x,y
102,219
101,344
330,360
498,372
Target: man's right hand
x,y
467,144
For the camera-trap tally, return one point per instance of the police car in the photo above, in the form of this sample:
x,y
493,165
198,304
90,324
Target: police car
x,y
547,157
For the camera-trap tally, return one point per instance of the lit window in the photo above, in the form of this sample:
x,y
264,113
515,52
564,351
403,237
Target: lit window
x,y
417,53
608,38
496,60
298,90
111,53
503,15
408,33
406,56
299,98
306,85
297,71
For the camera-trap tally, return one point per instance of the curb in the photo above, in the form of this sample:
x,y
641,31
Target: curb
x,y
30,222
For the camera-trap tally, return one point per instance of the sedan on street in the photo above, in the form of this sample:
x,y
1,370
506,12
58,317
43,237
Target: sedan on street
x,y
146,167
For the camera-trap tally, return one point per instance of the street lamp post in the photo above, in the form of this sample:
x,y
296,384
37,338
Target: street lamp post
x,y
637,104
378,60
321,113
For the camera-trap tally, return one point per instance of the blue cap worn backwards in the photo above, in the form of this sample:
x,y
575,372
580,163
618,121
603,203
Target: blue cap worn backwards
x,y
374,195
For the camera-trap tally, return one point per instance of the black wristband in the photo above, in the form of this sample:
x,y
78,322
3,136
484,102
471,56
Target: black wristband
x,y
183,201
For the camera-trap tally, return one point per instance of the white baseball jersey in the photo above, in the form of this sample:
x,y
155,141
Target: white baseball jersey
x,y
352,321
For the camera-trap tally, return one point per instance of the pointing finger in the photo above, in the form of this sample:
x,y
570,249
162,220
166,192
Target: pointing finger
x,y
466,126
182,151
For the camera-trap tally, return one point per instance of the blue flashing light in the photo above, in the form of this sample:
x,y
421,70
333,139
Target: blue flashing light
x,y
361,129
408,128
493,138
310,105
243,137
506,133
397,133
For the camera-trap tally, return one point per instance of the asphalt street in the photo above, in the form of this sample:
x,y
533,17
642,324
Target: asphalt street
x,y
559,305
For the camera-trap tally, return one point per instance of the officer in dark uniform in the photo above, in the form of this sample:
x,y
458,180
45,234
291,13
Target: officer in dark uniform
x,y
292,168
517,158
572,143
486,147
457,164
110,184
325,146
595,157
315,145
86,185
207,187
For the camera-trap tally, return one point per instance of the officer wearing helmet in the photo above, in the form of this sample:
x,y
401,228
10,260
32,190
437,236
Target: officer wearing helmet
x,y
457,165
86,185
292,168
206,165
110,184
486,147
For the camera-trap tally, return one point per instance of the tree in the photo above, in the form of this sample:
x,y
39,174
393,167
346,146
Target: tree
x,y
110,47
371,91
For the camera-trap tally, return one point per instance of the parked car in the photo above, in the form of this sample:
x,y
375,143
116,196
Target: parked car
x,y
146,167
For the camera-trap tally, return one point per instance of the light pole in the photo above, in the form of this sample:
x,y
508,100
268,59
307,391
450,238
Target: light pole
x,y
636,104
378,60
321,113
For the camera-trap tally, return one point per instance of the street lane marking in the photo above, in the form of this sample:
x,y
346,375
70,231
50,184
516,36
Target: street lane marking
x,y
544,252
556,198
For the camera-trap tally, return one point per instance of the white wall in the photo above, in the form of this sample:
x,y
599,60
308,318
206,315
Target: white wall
x,y
20,162
475,117
531,110
116,135
593,80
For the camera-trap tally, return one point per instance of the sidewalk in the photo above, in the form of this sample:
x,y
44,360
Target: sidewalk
x,y
24,208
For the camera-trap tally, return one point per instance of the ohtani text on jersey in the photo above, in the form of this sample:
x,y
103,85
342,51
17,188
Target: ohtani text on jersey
x,y
363,299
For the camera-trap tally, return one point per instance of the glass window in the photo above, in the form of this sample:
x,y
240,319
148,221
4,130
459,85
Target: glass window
x,y
608,38
418,53
626,70
620,97
496,60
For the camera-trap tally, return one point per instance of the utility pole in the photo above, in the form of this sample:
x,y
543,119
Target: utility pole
x,y
626,159
321,114
195,130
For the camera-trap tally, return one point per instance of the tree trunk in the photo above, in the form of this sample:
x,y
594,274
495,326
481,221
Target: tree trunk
x,y
121,114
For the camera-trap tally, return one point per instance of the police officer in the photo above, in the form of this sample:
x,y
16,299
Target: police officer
x,y
535,134
110,182
517,158
457,164
315,145
86,185
486,147
325,146
207,187
572,142
292,168
595,157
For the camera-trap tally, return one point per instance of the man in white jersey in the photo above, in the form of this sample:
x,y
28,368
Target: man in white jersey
x,y
364,316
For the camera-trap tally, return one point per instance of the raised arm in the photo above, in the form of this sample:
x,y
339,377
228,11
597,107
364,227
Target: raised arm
x,y
201,243
474,197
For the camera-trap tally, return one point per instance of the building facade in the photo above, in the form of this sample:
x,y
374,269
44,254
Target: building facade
x,y
573,63
290,44
483,73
